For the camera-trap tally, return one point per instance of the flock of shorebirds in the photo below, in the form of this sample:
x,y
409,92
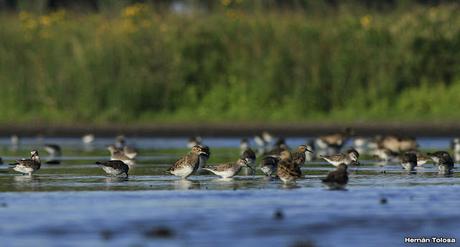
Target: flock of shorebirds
x,y
278,160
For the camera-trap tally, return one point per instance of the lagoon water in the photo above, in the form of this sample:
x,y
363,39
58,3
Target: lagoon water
x,y
75,204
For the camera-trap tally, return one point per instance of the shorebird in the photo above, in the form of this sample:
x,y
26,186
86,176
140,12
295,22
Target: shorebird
x,y
263,141
117,154
120,141
129,151
14,139
421,158
269,165
455,145
28,166
334,142
351,156
244,144
443,160
385,155
53,149
287,170
337,179
309,156
228,170
396,143
280,146
193,141
360,144
203,159
114,167
188,164
87,139
249,155
299,156
409,161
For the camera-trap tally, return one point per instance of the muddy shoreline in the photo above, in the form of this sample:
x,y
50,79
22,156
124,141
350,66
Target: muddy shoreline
x,y
229,130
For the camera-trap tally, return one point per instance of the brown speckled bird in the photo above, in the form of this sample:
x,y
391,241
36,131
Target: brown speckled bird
x,y
299,156
188,164
337,179
287,170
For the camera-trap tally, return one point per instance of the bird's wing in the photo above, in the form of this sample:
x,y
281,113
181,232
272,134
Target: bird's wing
x,y
116,164
28,163
222,167
334,157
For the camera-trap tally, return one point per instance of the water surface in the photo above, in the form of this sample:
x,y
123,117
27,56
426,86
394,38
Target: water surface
x,y
76,204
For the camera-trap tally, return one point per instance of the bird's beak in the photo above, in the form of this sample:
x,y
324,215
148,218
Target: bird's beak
x,y
308,150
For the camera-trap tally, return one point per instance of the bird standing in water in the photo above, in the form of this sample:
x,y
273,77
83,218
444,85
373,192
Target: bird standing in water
x,y
28,166
287,170
337,179
187,165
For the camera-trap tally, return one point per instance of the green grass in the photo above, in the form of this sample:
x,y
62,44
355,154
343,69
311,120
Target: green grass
x,y
139,66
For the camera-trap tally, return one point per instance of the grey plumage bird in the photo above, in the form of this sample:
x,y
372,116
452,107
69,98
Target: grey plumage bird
x,y
114,167
53,150
228,170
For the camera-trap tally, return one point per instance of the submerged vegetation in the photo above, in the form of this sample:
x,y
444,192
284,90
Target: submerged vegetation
x,y
139,65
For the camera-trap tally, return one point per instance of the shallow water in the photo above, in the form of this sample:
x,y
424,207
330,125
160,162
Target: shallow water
x,y
75,204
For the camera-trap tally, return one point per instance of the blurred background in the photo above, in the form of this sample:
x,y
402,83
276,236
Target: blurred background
x,y
277,61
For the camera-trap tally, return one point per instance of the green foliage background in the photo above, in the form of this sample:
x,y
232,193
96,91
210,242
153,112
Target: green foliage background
x,y
139,65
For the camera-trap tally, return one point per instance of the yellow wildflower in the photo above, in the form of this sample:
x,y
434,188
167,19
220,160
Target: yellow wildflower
x,y
134,10
225,2
24,15
45,20
366,21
